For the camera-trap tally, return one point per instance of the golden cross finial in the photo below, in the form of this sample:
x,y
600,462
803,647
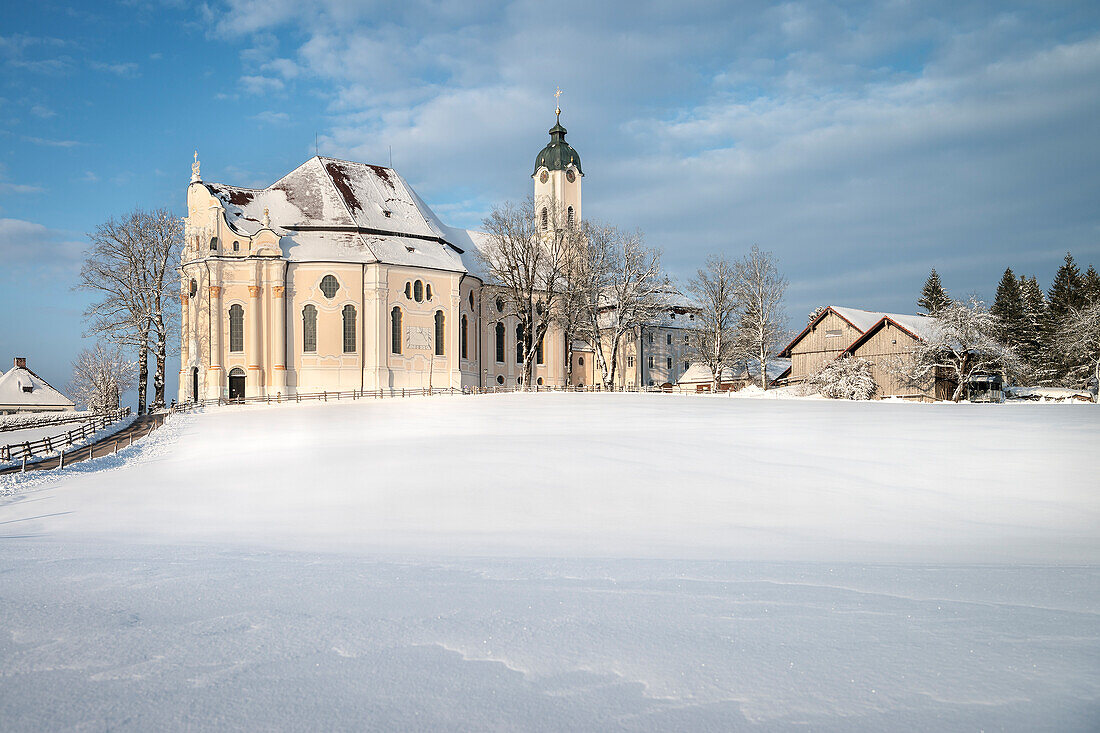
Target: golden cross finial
x,y
557,96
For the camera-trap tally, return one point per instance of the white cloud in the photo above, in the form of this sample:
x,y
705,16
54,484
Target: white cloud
x,y
260,85
28,243
269,117
127,69
52,143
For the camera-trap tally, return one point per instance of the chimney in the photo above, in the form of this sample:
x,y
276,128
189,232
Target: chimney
x,y
20,362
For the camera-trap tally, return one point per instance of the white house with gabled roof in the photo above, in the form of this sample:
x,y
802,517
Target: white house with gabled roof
x,y
21,390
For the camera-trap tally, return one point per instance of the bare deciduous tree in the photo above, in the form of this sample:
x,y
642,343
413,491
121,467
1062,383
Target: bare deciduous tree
x,y
100,375
131,263
526,257
714,292
1078,340
620,287
962,341
758,293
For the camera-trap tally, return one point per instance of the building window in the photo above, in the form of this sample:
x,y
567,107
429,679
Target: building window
x,y
329,286
236,328
471,300
686,364
500,379
569,216
519,343
500,305
418,291
538,351
669,367
651,338
349,329
409,290
463,335
428,290
545,217
194,288
630,362
309,329
685,339
236,246
668,339
395,330
580,361
539,381
651,362
213,244
440,332
832,333
500,343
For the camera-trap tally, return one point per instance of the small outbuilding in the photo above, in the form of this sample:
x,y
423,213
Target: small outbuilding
x,y
21,390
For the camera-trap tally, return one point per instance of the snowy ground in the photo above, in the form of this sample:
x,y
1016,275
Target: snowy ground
x,y
432,563
29,435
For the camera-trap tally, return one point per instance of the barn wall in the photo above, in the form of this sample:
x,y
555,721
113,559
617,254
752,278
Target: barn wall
x,y
816,348
884,347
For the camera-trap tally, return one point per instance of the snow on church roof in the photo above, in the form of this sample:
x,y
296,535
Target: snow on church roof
x,y
331,209
21,386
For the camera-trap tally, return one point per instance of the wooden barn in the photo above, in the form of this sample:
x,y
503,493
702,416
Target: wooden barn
x,y
824,338
887,343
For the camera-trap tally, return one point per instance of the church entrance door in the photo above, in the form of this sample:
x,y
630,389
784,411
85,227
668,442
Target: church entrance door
x,y
236,384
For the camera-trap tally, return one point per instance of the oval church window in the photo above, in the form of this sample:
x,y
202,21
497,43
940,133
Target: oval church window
x,y
329,286
570,176
544,177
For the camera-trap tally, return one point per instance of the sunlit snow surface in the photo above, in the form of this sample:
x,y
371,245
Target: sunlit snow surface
x,y
427,564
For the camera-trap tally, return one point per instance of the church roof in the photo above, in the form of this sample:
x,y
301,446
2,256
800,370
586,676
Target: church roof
x,y
21,386
331,209
558,154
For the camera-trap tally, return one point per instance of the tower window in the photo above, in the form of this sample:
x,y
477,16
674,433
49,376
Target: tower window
x,y
309,329
569,216
329,286
668,339
236,246
194,288
213,244
545,219
500,305
349,329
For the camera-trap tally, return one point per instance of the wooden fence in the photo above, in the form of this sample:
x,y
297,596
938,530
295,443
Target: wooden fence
x,y
50,444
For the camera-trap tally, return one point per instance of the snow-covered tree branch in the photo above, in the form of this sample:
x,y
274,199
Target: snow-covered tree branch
x,y
714,292
758,293
100,375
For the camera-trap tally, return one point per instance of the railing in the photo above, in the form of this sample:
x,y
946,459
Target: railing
x,y
50,444
25,421
389,393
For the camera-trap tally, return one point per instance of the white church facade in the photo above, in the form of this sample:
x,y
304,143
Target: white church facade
x,y
339,277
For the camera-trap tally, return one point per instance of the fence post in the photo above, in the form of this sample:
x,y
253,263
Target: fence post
x,y
61,461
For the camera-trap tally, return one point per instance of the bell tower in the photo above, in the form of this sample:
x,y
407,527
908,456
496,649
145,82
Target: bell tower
x,y
558,176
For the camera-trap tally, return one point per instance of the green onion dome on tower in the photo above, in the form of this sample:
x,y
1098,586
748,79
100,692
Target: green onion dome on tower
x,y
558,154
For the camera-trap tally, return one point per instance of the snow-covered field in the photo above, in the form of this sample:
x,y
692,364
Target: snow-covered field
x,y
564,562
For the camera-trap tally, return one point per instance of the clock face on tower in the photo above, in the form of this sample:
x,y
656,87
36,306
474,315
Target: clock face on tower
x,y
570,176
544,177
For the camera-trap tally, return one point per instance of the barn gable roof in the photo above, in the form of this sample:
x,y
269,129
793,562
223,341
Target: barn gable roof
x,y
858,319
21,386
921,328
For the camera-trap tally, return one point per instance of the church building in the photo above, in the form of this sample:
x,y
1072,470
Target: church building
x,y
338,277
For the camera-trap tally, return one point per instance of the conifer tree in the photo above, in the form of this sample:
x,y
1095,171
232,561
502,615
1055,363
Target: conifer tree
x,y
1067,291
1033,332
1092,286
933,297
1008,307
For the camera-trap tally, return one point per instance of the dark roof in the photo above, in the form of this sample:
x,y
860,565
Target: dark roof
x,y
558,154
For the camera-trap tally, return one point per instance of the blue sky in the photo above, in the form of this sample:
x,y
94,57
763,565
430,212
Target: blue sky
x,y
863,143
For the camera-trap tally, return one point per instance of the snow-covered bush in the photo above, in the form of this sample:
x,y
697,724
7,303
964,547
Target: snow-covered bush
x,y
845,379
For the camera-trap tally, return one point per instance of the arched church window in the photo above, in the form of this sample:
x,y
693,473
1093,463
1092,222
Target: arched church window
x,y
471,300
395,330
538,351
418,291
580,360
519,343
309,329
428,290
463,336
213,244
194,288
500,305
668,339
545,218
500,343
440,332
539,308
540,380
409,290
569,217
349,329
329,286
236,246
236,328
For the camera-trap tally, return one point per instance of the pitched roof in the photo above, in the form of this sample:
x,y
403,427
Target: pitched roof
x,y
919,327
331,209
14,390
860,320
